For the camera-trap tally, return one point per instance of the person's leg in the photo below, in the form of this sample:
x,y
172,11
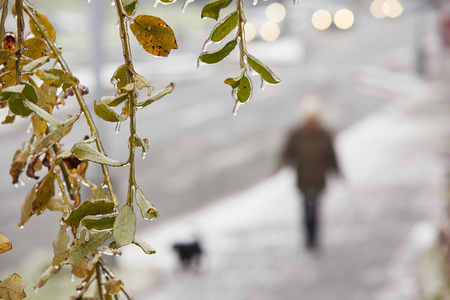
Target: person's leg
x,y
311,206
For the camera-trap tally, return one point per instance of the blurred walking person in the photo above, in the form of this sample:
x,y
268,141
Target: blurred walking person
x,y
309,149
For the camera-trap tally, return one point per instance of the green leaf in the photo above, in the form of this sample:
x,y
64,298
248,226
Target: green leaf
x,y
5,244
265,72
98,195
148,211
58,78
27,206
47,26
16,94
154,35
125,226
106,113
44,193
88,208
121,77
80,249
56,135
99,222
130,6
35,64
85,152
165,91
222,29
12,288
143,245
242,87
9,119
113,101
212,57
212,8
60,246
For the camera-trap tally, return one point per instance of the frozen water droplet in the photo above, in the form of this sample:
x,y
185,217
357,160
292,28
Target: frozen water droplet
x,y
56,267
144,154
29,128
21,182
88,1
21,226
113,3
56,169
72,277
254,2
237,104
61,222
16,184
36,289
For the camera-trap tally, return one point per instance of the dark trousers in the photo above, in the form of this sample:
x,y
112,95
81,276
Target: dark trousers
x,y
311,205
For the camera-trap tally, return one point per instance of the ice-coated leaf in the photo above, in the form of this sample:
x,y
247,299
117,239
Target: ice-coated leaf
x,y
113,286
34,64
60,245
113,101
242,87
44,192
212,57
107,113
265,72
42,280
9,119
212,8
34,48
141,82
165,91
81,269
47,100
222,29
56,204
19,163
56,135
154,35
143,245
99,195
125,226
47,26
99,222
143,143
12,288
88,208
130,6
58,78
27,206
16,95
53,121
121,77
148,211
5,244
85,152
81,248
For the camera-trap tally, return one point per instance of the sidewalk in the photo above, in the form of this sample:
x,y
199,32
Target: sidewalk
x,y
376,224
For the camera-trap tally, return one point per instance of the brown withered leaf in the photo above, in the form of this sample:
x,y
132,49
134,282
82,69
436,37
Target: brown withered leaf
x,y
80,270
47,159
9,42
72,162
154,35
113,286
12,288
44,193
19,164
47,100
34,166
5,244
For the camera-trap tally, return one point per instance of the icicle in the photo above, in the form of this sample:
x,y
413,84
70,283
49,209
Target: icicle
x,y
185,4
79,230
156,2
36,289
254,2
237,104
113,3
88,1
118,127
72,277
144,154
263,84
21,182
200,64
21,226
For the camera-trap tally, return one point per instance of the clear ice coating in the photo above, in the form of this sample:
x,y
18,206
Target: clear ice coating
x,y
237,104
117,130
200,64
185,4
206,44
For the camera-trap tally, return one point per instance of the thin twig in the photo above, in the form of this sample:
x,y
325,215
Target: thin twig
x,y
3,19
20,29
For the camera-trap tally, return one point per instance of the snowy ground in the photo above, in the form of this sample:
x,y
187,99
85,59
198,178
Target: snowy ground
x,y
377,222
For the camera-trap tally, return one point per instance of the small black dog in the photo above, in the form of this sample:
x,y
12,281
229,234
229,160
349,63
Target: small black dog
x,y
189,254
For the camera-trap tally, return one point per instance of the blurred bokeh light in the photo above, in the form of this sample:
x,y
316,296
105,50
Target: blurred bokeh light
x,y
344,19
321,19
269,31
250,32
275,12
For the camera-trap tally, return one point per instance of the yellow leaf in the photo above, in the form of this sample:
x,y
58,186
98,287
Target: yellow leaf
x,y
154,35
47,26
5,244
113,286
12,288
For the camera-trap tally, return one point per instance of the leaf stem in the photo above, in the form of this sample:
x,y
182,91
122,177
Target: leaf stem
x,y
94,131
3,19
131,97
98,272
20,29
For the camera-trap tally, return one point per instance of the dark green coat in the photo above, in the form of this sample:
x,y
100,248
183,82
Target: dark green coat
x,y
310,151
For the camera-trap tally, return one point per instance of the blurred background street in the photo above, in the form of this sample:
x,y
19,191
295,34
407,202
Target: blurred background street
x,y
383,84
